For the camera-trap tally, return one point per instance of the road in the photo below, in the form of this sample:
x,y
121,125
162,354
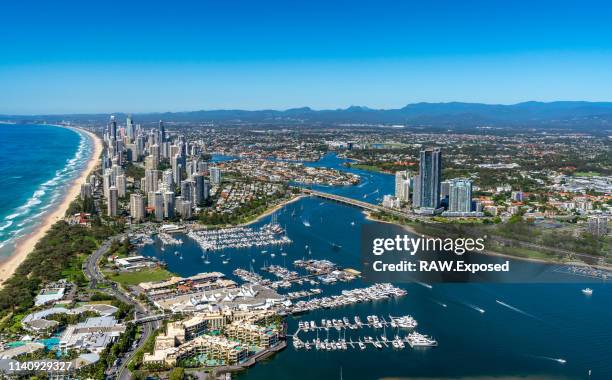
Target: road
x,y
92,271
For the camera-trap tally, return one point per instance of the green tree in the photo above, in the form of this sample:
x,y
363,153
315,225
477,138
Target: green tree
x,y
177,373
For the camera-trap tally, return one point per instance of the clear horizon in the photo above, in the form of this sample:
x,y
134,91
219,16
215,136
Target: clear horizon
x,y
142,57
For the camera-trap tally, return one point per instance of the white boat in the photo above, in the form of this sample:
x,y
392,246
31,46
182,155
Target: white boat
x,y
587,291
419,340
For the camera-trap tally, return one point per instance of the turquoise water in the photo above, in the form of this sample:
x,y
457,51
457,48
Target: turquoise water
x,y
548,322
50,343
37,162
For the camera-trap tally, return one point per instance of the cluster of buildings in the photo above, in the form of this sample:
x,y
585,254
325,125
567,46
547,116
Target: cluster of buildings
x,y
176,180
283,171
214,338
235,194
428,194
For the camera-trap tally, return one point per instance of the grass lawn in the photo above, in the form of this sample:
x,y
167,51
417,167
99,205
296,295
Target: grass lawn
x,y
586,174
371,168
135,278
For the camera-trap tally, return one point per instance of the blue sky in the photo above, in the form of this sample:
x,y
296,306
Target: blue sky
x,y
69,56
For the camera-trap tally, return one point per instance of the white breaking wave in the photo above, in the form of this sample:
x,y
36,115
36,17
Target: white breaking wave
x,y
52,189
7,225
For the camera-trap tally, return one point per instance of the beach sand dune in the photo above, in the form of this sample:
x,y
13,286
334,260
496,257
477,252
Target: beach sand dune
x,y
26,244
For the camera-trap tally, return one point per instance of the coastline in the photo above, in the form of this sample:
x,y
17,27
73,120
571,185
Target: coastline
x,y
488,251
27,243
272,210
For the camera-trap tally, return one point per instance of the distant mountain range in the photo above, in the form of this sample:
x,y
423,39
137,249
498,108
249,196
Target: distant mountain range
x,y
562,114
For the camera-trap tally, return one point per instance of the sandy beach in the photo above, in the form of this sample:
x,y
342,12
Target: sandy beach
x,y
27,243
272,210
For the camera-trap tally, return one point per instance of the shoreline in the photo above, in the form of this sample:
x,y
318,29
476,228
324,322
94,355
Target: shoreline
x,y
487,251
272,210
26,244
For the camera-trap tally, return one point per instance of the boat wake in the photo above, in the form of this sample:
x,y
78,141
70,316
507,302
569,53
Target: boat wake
x,y
474,307
558,360
440,303
517,309
425,285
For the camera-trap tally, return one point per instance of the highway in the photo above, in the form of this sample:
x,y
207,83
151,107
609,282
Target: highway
x,y
92,271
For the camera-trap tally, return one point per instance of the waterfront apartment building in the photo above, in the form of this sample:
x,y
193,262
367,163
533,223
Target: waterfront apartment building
x,y
402,185
137,207
86,191
218,348
169,204
430,176
252,334
183,207
460,195
156,202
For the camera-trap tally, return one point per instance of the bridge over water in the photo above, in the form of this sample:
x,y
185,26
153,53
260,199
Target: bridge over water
x,y
346,200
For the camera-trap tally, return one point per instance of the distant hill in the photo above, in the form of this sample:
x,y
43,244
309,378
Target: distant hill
x,y
562,114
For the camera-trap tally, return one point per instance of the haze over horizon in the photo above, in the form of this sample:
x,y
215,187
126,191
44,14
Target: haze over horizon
x,y
73,57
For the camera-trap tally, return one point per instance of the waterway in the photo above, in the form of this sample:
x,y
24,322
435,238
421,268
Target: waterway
x,y
523,337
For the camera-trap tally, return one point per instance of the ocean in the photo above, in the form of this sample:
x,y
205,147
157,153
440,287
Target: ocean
x,y
522,337
37,163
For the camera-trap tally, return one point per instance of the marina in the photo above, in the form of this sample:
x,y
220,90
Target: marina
x,y
239,237
413,338
439,309
352,296
167,239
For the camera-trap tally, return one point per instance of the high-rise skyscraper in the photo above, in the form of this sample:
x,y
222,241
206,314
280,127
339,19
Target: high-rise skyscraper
x,y
177,168
121,185
460,195
444,189
402,185
169,204
113,199
86,191
137,207
215,175
151,180
201,189
112,129
416,193
187,189
162,131
168,179
156,201
129,128
107,182
430,175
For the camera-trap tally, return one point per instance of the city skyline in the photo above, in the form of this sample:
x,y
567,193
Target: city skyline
x,y
144,58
